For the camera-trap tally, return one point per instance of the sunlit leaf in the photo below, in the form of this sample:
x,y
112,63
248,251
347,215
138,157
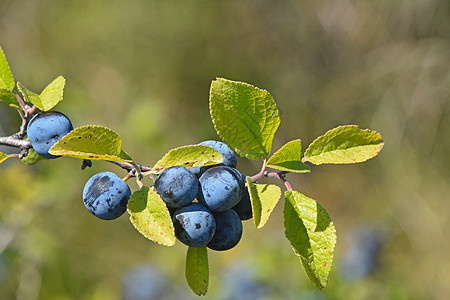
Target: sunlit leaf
x,y
29,96
91,142
245,117
264,198
9,97
3,157
150,216
189,156
344,145
312,235
6,77
52,94
289,158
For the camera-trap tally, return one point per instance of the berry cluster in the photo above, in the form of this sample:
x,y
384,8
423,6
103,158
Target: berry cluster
x,y
207,204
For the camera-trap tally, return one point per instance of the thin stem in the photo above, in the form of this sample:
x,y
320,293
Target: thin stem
x,y
22,104
261,174
133,168
286,183
129,175
138,170
280,175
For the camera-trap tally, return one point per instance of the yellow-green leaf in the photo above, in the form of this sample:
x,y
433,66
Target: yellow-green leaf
x,y
3,157
344,145
289,158
9,97
197,271
264,197
244,116
32,157
312,235
150,216
91,142
189,157
29,96
52,94
6,77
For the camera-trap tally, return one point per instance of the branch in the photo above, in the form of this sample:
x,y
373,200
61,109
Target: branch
x,y
13,141
131,169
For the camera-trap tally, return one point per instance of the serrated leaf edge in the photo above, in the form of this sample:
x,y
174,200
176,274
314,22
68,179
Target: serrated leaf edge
x,y
8,69
377,150
93,156
238,151
304,260
158,168
142,231
278,167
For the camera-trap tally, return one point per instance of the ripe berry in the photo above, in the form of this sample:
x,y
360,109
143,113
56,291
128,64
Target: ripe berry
x,y
45,129
244,207
194,225
228,230
177,186
221,188
106,195
229,156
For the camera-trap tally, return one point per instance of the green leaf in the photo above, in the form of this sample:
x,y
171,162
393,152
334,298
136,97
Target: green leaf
x,y
197,272
28,95
264,197
91,142
150,216
6,77
9,97
3,157
344,145
245,117
312,235
32,157
50,96
189,156
289,158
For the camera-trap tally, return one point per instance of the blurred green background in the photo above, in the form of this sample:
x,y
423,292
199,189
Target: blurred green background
x,y
143,69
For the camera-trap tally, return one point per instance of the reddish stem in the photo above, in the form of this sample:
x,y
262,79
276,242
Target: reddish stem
x,y
261,173
264,173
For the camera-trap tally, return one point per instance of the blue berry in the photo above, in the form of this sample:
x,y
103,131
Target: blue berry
x,y
229,156
194,225
228,230
177,186
221,188
244,207
45,129
106,195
